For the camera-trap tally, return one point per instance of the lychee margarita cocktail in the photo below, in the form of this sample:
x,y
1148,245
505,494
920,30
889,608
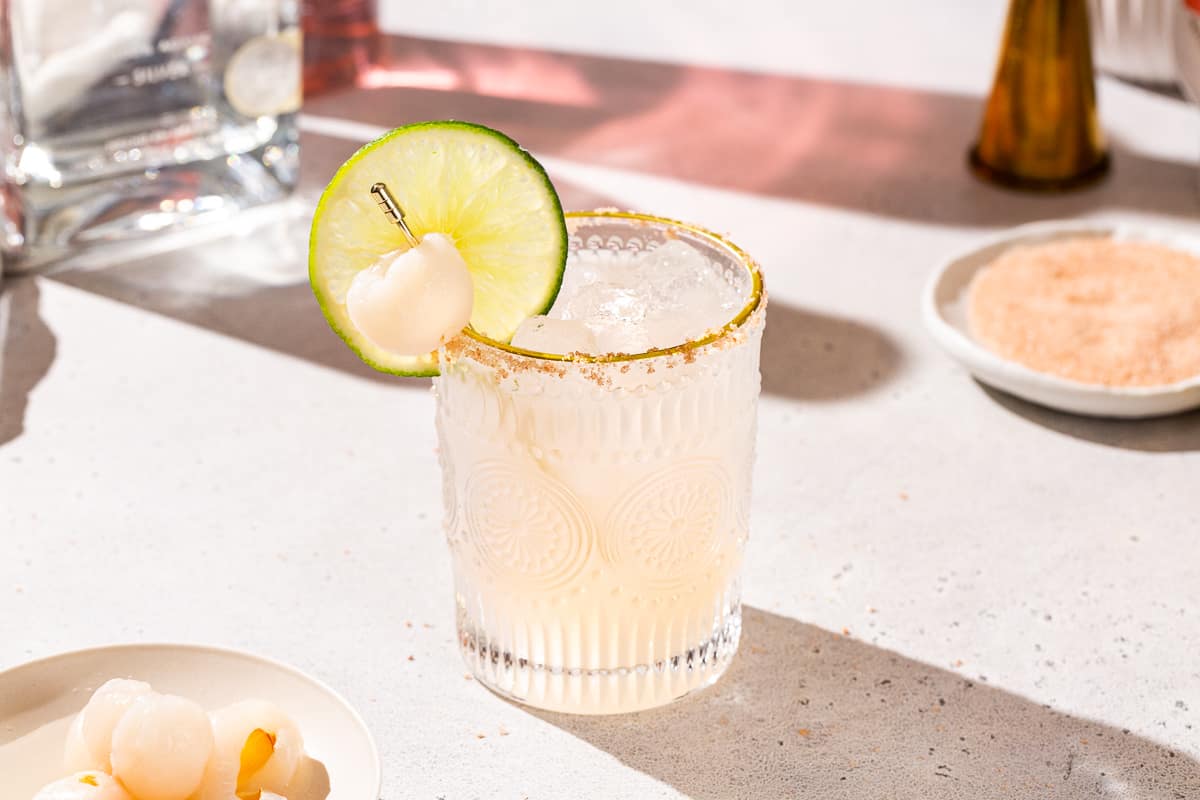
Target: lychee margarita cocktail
x,y
597,507
597,380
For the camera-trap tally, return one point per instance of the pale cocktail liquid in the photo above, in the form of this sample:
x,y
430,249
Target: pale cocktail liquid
x,y
597,512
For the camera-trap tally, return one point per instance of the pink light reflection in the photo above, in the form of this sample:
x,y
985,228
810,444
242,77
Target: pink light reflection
x,y
823,140
515,74
385,78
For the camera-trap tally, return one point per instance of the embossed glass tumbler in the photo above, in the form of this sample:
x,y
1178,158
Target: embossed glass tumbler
x,y
597,510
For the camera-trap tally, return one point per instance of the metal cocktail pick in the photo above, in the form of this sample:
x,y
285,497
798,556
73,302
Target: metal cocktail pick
x,y
393,211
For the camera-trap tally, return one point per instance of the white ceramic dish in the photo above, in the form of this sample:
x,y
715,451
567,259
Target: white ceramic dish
x,y
38,699
945,315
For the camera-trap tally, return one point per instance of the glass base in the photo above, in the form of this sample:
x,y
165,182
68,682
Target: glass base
x,y
617,690
50,223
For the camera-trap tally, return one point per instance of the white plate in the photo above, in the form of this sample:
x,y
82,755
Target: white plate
x,y
38,699
945,314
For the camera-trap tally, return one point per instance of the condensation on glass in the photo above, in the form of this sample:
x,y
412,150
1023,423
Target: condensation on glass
x,y
597,512
122,118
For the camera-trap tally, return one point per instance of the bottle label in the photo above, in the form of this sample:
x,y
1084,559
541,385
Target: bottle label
x,y
170,59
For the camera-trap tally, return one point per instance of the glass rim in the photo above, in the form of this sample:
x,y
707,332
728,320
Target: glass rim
x,y
735,322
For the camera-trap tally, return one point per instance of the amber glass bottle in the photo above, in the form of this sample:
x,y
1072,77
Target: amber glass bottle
x,y
1040,127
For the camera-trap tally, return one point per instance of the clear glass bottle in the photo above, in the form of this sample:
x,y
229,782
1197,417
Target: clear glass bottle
x,y
122,118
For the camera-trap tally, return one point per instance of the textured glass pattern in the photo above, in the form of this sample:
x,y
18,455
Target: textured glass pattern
x,y
597,512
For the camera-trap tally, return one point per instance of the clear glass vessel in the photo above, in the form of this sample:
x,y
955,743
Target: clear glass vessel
x,y
341,42
597,508
126,117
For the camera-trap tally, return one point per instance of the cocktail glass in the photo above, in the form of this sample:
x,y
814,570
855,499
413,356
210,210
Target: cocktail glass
x,y
597,508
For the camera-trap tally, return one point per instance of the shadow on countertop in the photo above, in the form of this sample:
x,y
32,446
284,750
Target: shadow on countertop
x,y
27,350
883,150
1176,433
807,713
248,279
887,150
251,285
254,287
818,357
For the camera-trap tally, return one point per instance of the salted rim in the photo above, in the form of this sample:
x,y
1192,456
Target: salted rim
x,y
735,322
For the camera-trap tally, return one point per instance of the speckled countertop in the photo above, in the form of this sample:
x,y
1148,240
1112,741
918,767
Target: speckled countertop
x,y
952,594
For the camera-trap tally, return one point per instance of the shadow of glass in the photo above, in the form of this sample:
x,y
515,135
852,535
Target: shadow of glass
x,y
804,712
27,349
247,280
811,356
885,150
1178,433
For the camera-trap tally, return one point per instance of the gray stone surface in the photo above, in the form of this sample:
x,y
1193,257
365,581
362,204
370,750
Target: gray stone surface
x,y
951,593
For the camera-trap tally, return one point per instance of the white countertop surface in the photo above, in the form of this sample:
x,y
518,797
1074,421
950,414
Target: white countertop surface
x,y
951,593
